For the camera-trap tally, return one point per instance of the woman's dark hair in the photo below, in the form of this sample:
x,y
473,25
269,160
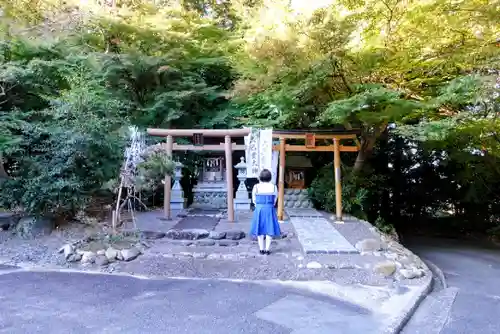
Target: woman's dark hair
x,y
265,176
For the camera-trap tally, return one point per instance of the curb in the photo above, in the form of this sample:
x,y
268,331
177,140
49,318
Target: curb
x,y
437,272
409,309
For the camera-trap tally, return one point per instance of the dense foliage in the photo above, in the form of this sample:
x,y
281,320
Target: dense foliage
x,y
418,78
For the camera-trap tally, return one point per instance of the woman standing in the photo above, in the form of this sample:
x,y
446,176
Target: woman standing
x,y
265,221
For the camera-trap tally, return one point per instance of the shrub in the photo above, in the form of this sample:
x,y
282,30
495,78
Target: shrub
x,y
57,167
322,192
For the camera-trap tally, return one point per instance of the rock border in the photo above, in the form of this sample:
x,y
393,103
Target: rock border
x,y
73,253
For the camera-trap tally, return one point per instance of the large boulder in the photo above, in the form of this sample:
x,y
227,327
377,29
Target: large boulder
x,y
235,235
32,227
215,235
386,268
111,254
101,260
8,220
129,254
369,245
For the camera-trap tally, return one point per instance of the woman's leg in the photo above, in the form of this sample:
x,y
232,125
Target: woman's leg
x,y
260,240
268,242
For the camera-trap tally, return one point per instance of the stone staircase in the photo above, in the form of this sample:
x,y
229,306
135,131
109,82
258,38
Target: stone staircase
x,y
297,199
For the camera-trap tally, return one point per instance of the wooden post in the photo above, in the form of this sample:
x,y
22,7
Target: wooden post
x,y
281,182
168,182
229,178
338,181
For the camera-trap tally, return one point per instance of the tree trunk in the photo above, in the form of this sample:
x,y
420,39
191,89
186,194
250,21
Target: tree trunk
x,y
364,154
3,173
368,142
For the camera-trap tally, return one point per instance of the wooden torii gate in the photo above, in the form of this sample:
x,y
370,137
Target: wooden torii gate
x,y
228,147
311,139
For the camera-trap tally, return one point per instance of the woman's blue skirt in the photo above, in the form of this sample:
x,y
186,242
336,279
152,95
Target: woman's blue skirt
x,y
265,220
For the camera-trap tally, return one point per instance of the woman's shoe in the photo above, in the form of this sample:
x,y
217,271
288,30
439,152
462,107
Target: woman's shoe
x,y
262,252
267,252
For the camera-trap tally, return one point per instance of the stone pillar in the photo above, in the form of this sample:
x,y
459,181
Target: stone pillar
x,y
242,201
177,201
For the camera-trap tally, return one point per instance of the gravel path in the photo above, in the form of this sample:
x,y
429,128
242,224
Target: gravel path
x,y
202,259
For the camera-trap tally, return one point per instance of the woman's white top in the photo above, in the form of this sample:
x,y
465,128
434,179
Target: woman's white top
x,y
265,188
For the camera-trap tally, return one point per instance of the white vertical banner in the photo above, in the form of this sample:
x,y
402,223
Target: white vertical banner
x,y
266,149
259,151
252,153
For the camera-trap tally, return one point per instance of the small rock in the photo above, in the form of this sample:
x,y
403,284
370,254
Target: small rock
x,y
207,242
300,258
228,243
111,254
229,256
130,254
368,245
185,254
314,265
88,257
101,252
189,234
74,257
235,235
214,256
411,273
199,255
101,260
152,235
386,268
67,250
217,235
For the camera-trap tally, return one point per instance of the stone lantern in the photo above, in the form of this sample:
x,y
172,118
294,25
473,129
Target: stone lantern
x,y
177,201
242,200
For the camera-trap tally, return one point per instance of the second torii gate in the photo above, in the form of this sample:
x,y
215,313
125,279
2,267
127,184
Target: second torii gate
x,y
311,139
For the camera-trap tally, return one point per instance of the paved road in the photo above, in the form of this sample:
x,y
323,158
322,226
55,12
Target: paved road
x,y
474,272
55,302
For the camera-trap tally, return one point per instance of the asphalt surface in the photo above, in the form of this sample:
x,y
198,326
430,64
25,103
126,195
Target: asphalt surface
x,y
57,302
473,271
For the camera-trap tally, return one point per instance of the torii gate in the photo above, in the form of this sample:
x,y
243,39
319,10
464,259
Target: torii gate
x,y
228,147
311,138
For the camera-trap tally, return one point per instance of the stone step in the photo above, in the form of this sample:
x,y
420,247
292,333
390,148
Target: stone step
x,y
432,314
296,192
299,204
